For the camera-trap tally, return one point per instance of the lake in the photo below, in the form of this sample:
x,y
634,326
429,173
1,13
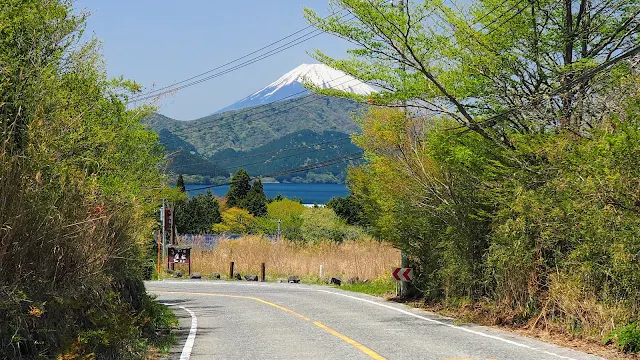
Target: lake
x,y
309,193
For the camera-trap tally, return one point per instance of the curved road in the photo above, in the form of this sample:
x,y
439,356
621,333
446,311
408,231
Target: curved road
x,y
241,320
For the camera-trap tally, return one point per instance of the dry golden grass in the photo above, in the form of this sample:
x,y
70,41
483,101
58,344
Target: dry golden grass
x,y
365,259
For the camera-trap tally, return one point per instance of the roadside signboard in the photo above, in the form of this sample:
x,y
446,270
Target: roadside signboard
x,y
402,274
178,255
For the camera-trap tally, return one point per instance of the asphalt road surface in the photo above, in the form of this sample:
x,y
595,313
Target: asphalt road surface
x,y
242,320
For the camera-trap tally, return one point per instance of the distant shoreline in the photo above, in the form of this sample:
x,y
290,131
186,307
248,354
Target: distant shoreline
x,y
307,193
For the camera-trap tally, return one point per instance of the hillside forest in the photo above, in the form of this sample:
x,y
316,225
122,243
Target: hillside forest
x,y
263,140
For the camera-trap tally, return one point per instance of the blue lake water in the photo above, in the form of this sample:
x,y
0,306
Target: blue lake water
x,y
309,193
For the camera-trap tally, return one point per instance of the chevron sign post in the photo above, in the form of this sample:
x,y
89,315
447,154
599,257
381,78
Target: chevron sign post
x,y
402,274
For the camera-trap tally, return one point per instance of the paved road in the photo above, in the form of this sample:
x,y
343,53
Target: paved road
x,y
241,320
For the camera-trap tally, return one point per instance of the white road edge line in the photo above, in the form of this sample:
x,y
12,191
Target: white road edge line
x,y
449,325
188,345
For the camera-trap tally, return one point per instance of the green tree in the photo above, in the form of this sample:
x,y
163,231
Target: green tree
x,y
496,68
235,221
238,189
348,209
323,224
198,214
180,184
289,212
256,201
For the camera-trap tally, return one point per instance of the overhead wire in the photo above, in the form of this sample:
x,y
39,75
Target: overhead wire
x,y
299,99
228,63
590,73
272,106
272,52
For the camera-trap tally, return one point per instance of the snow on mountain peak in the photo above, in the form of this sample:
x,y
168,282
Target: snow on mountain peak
x,y
291,85
322,76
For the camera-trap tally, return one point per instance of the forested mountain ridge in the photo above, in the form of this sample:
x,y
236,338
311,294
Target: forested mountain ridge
x,y
182,155
249,128
204,147
299,149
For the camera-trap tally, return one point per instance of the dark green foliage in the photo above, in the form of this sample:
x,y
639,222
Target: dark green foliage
x,y
349,210
270,158
626,338
184,158
557,236
180,184
238,189
256,201
198,214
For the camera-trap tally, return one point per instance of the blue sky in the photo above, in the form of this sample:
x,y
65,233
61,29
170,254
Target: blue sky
x,y
160,42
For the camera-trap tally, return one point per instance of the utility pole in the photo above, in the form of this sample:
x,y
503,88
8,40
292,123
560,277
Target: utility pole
x,y
164,235
403,5
279,231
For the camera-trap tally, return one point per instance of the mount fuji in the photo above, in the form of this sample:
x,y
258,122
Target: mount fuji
x,y
290,85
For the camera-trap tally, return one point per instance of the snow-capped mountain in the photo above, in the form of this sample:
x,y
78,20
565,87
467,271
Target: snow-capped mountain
x,y
290,85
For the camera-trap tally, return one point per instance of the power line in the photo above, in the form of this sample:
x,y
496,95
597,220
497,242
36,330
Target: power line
x,y
272,106
501,15
228,63
510,18
240,66
549,95
291,108
281,48
276,158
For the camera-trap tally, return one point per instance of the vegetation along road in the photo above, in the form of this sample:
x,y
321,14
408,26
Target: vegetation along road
x,y
290,321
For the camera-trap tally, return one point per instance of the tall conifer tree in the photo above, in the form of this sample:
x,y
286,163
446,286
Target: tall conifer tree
x,y
238,189
256,201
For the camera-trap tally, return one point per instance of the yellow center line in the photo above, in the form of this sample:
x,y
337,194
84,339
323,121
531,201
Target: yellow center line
x,y
340,336
350,341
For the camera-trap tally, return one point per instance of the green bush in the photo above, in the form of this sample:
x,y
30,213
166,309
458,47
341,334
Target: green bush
x,y
544,230
323,224
626,338
80,183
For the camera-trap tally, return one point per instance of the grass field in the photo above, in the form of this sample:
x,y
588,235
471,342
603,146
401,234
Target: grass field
x,y
368,260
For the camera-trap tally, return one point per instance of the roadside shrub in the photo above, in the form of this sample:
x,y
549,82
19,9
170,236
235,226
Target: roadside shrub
x,y
626,338
80,181
323,224
545,230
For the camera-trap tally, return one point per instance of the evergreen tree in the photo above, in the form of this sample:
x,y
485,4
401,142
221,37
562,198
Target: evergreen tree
x,y
256,201
238,189
180,184
349,210
198,214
